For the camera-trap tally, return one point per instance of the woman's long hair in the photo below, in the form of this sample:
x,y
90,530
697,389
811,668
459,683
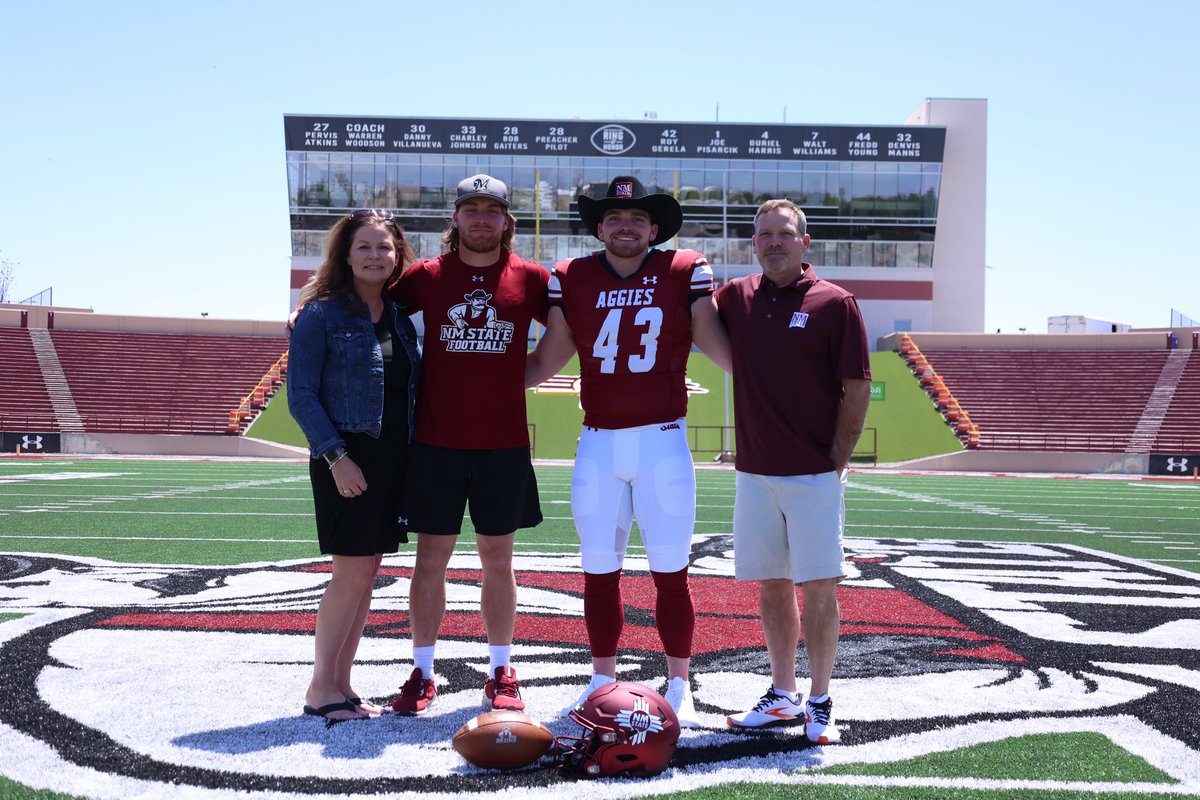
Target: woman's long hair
x,y
335,278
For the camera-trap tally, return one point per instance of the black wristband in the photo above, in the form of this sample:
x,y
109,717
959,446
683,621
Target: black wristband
x,y
334,455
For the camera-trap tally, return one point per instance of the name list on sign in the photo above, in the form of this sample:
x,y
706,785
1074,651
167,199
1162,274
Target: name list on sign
x,y
510,139
417,137
577,138
668,142
862,145
365,134
555,139
904,147
815,143
764,145
320,135
717,146
468,137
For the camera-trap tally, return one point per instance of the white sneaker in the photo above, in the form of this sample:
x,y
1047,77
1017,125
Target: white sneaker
x,y
818,722
773,708
596,682
679,697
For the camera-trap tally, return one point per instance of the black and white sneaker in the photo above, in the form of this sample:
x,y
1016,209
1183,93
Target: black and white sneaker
x,y
773,708
818,722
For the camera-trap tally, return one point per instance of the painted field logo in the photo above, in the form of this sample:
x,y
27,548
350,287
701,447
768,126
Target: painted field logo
x,y
193,677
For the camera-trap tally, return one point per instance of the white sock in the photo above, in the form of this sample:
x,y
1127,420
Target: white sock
x,y
795,697
423,660
599,680
816,701
499,655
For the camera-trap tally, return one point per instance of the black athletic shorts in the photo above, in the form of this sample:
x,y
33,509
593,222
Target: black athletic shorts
x,y
498,486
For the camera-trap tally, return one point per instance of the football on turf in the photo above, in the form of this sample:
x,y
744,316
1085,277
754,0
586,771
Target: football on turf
x,y
503,740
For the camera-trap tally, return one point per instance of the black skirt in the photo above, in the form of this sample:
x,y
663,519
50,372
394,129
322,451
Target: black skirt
x,y
370,523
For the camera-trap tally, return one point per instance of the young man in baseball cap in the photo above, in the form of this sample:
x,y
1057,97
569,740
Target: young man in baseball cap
x,y
471,443
632,312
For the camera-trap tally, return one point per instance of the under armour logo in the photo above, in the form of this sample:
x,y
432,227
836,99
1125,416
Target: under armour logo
x,y
1177,463
480,183
401,520
34,442
649,279
477,278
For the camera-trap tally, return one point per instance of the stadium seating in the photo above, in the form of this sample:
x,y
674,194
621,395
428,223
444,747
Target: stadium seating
x,y
1180,430
1066,400
24,403
161,382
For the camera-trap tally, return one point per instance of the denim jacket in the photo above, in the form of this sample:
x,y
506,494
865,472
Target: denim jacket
x,y
335,372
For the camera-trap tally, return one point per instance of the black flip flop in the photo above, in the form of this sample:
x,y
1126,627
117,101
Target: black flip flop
x,y
326,710
358,703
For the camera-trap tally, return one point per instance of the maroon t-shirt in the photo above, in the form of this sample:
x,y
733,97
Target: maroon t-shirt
x,y
471,395
792,346
634,334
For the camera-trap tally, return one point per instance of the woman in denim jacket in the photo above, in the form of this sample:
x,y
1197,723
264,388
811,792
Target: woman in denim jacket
x,y
352,373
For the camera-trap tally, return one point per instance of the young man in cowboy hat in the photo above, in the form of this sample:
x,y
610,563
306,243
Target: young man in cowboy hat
x,y
470,446
632,313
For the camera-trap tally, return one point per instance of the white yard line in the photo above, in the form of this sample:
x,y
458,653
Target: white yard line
x,y
163,494
978,508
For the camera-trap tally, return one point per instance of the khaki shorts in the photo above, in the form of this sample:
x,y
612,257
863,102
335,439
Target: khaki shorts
x,y
789,526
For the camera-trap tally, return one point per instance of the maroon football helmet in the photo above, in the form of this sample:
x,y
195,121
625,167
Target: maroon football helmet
x,y
628,730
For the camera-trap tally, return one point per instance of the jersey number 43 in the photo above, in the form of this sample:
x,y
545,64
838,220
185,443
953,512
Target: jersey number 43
x,y
606,346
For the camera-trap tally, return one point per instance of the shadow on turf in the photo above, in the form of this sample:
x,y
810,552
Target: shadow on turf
x,y
357,738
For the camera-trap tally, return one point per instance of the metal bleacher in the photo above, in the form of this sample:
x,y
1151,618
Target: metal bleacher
x,y
24,402
131,382
1074,400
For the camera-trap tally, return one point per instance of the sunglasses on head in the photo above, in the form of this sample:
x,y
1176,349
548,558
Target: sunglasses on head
x,y
363,213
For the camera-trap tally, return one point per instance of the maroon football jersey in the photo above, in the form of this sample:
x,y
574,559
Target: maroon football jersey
x,y
471,395
633,334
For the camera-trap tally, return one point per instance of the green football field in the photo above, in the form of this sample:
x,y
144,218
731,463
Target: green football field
x,y
229,512
902,423
238,512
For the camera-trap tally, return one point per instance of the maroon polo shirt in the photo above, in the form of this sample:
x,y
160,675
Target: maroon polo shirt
x,y
792,346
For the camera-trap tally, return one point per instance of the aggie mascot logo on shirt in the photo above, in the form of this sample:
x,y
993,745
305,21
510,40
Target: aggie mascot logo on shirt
x,y
475,327
120,678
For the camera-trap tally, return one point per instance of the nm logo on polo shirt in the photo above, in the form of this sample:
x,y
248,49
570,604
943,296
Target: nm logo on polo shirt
x,y
799,320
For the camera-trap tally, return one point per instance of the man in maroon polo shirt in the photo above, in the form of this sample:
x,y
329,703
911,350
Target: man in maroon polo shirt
x,y
801,384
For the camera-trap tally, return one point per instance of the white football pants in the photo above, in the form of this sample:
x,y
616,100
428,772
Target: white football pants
x,y
644,473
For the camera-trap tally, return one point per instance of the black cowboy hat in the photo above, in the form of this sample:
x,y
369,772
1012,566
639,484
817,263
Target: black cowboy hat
x,y
627,191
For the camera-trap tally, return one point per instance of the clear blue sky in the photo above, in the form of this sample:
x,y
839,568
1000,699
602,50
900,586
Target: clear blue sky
x,y
141,143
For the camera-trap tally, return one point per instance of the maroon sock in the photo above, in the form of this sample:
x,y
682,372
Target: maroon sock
x,y
675,615
603,612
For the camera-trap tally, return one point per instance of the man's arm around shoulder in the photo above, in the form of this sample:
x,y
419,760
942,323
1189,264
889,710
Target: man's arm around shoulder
x,y
552,352
709,334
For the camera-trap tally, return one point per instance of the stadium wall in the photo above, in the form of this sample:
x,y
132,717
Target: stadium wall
x,y
1005,461
83,319
145,444
1133,340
